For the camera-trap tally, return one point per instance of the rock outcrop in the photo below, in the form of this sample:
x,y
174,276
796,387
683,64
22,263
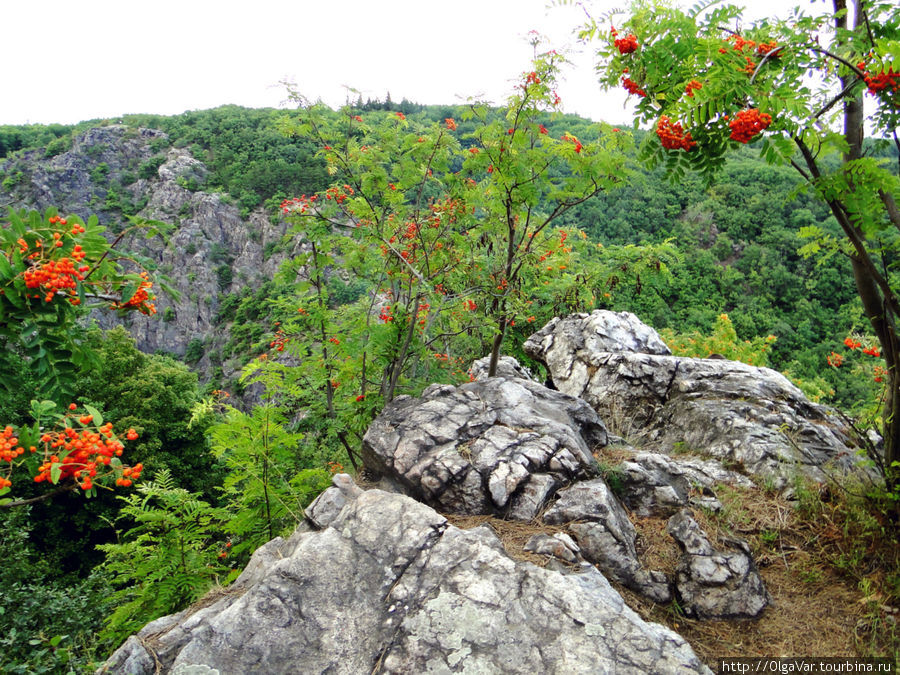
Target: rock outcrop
x,y
752,418
714,584
606,536
492,446
388,586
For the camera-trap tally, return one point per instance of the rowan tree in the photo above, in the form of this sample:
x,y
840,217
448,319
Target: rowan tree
x,y
709,82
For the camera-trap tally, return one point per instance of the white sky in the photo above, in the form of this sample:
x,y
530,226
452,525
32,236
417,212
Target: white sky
x,y
70,61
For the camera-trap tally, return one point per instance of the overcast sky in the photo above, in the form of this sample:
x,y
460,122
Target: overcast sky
x,y
71,61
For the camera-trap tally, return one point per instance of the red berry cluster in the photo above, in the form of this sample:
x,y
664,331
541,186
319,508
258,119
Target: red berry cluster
x,y
279,341
856,344
760,48
386,314
338,194
141,298
49,276
882,81
76,454
56,276
569,137
747,124
672,135
632,87
691,86
625,45
764,48
298,204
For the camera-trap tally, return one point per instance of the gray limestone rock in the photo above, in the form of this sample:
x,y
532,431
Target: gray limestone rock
x,y
498,445
507,367
390,587
606,536
753,418
715,584
659,485
212,250
328,505
559,545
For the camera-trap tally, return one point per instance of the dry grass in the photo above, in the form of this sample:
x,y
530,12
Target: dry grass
x,y
513,534
818,610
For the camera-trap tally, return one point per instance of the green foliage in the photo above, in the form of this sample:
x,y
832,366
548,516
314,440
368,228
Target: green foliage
x,y
100,173
165,560
723,341
15,138
194,351
152,394
38,314
47,622
224,276
155,395
267,486
149,169
788,85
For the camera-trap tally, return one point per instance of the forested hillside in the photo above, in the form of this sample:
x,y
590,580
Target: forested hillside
x,y
233,452
735,243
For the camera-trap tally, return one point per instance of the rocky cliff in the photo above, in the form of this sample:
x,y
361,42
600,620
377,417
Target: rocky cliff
x,y
115,170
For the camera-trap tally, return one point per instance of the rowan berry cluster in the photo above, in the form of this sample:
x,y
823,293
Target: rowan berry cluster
x,y
298,204
691,86
141,300
49,276
627,44
889,80
279,341
80,455
672,136
339,193
760,48
386,315
632,87
747,124
56,276
570,138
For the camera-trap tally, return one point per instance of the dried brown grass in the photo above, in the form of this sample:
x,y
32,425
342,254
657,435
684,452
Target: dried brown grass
x,y
817,610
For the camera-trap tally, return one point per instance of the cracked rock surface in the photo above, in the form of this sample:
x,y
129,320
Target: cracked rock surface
x,y
606,536
658,485
388,586
715,584
493,446
751,417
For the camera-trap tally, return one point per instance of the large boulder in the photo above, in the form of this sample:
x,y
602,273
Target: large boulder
x,y
493,446
389,586
751,418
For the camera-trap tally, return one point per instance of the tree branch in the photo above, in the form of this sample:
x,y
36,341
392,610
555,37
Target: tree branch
x,y
39,498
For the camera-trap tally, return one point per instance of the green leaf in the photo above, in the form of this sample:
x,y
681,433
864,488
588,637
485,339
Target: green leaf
x,y
128,292
98,418
55,472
